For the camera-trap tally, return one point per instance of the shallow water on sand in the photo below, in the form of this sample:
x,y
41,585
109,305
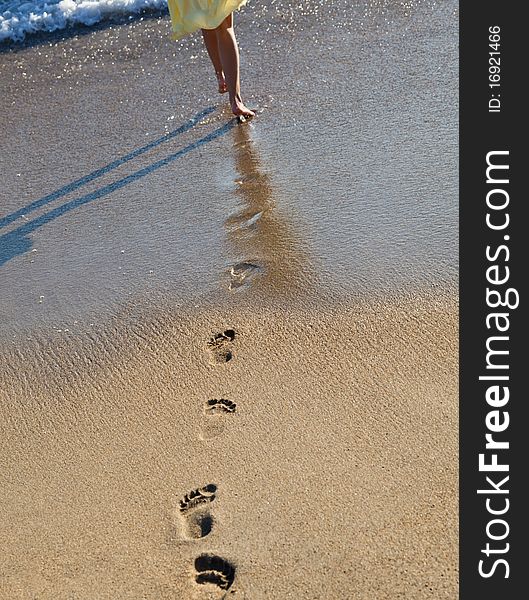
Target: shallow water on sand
x,y
124,178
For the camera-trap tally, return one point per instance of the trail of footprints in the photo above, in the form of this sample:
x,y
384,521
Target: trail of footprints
x,y
195,507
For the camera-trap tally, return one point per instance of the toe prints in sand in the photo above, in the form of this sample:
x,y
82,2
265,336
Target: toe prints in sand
x,y
215,571
222,406
220,347
195,514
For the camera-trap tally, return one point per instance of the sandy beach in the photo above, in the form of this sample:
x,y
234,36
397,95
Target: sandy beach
x,y
229,352
335,472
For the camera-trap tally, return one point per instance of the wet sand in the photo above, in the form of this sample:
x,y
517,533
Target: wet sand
x,y
121,174
229,353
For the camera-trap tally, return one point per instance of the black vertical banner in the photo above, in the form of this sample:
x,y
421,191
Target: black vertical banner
x,y
494,266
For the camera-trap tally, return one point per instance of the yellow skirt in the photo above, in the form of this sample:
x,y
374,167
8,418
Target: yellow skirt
x,y
189,15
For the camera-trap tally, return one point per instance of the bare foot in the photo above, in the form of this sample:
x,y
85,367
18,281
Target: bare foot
x,y
239,109
223,88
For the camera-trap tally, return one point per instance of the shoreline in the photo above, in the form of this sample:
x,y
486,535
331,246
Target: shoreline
x,y
75,30
126,194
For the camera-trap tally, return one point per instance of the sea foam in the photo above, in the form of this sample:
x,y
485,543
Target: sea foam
x,y
19,18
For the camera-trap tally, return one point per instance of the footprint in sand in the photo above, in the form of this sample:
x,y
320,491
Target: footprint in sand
x,y
219,347
194,511
214,570
215,422
241,273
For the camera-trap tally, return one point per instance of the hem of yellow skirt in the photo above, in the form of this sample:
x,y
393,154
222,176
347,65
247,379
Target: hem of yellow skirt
x,y
179,35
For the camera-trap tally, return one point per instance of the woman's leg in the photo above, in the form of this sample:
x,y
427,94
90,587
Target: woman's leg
x,y
229,57
212,46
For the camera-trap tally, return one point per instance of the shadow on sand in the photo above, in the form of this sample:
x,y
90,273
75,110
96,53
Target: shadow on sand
x,y
17,242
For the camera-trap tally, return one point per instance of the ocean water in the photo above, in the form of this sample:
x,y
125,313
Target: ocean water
x,y
19,19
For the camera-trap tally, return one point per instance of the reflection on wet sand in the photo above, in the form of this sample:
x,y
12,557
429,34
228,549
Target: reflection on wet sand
x,y
266,251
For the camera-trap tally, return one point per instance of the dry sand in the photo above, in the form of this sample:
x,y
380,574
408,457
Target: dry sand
x,y
333,473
